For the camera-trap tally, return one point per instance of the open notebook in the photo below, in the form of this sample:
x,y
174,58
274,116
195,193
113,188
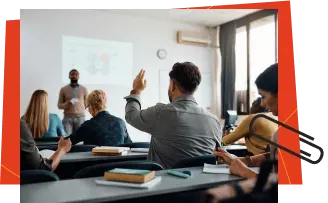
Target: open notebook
x,y
146,185
222,169
46,153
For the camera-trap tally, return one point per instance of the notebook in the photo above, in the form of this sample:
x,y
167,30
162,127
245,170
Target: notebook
x,y
129,175
46,153
145,150
222,168
146,185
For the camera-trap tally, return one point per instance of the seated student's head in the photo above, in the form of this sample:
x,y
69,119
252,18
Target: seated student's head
x,y
267,85
184,79
96,102
37,114
258,106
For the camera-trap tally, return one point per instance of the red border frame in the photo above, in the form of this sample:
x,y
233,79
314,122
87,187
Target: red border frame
x,y
10,163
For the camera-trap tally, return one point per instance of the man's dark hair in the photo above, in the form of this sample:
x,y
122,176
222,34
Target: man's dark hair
x,y
186,75
268,79
74,70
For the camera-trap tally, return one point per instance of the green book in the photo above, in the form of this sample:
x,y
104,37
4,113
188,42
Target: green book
x,y
129,171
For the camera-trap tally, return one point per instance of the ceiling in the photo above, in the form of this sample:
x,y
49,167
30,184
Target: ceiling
x,y
204,17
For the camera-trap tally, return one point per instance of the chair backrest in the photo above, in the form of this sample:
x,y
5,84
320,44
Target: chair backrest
x,y
195,161
135,145
99,170
37,176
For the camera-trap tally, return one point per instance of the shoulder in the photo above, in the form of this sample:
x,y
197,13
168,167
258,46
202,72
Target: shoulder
x,y
53,116
83,87
161,106
115,118
64,88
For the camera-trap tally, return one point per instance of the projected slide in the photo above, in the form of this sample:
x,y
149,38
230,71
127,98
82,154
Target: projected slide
x,y
98,61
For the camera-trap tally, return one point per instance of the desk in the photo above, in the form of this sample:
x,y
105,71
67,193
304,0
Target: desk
x,y
75,161
88,156
46,143
86,190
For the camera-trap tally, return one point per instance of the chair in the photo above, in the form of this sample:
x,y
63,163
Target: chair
x,y
195,161
37,176
99,170
135,145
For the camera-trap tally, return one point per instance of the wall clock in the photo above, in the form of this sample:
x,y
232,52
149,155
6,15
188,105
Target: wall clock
x,y
161,54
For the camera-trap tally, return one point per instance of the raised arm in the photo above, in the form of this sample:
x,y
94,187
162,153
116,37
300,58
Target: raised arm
x,y
143,120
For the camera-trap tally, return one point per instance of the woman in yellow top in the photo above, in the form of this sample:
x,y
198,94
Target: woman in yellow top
x,y
261,126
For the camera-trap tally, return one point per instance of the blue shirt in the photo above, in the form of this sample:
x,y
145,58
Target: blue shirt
x,y
102,130
55,127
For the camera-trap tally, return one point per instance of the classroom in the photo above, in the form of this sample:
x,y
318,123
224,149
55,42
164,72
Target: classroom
x,y
148,105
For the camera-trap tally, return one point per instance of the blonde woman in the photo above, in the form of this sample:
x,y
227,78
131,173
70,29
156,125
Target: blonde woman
x,y
103,129
41,123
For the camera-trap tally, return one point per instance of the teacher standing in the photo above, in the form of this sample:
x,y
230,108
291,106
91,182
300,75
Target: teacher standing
x,y
72,98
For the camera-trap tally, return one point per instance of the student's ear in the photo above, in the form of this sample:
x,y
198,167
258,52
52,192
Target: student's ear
x,y
174,86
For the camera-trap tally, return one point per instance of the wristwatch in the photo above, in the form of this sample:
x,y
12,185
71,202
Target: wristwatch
x,y
249,161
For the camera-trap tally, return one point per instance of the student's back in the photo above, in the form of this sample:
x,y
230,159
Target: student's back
x,y
55,127
183,130
103,129
180,129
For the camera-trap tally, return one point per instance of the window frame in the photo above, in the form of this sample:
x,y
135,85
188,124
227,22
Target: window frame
x,y
246,21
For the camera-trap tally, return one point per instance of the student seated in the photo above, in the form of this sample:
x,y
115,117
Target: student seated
x,y
30,159
180,129
267,84
103,129
261,126
42,124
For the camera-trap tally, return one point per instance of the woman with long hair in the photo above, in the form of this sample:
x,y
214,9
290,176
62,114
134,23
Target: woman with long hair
x,y
37,117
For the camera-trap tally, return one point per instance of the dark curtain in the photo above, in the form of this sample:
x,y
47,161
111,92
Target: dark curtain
x,y
228,65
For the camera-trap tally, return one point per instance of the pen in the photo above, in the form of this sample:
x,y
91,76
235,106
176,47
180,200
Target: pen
x,y
216,149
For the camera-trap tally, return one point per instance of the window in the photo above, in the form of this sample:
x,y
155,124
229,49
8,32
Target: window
x,y
241,69
256,49
262,50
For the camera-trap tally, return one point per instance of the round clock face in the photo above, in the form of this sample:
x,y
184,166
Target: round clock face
x,y
161,54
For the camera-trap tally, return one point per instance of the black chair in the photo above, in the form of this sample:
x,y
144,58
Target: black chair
x,y
135,145
37,176
195,161
99,170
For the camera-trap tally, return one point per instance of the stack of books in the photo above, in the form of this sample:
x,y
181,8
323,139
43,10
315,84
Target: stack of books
x,y
130,178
